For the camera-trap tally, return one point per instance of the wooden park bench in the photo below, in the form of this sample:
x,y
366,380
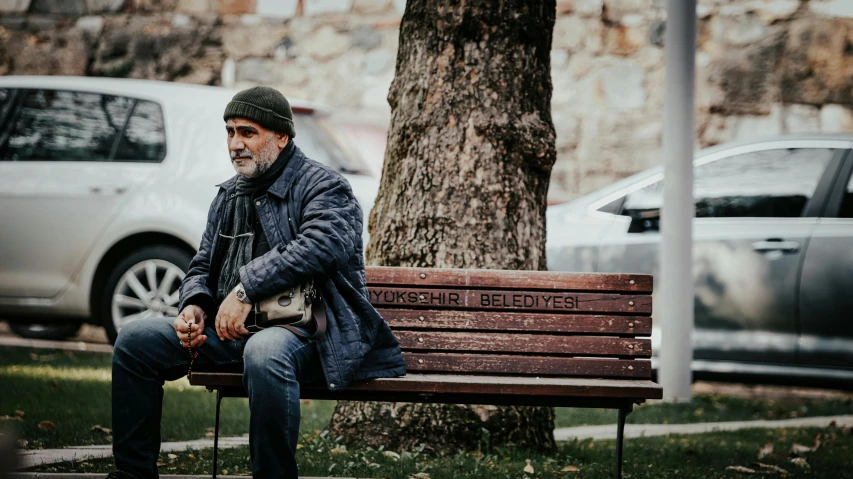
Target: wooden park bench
x,y
522,338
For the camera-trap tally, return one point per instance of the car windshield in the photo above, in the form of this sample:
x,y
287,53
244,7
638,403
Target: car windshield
x,y
322,142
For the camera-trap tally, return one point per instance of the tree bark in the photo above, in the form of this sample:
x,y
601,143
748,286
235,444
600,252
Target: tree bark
x,y
464,185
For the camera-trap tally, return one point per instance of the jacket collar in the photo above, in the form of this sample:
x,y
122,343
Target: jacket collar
x,y
281,185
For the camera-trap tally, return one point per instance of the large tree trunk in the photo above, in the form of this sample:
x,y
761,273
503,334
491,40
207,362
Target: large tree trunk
x,y
464,185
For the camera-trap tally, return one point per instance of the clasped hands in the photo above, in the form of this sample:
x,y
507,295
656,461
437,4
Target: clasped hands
x,y
230,322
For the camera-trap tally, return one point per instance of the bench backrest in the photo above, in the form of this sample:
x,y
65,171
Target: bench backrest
x,y
518,323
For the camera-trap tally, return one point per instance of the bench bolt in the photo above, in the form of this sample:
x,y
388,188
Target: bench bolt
x,y
422,296
423,276
631,282
630,325
630,368
630,346
630,303
421,318
420,340
420,361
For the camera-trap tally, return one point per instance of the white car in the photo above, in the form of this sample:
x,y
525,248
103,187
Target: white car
x,y
105,186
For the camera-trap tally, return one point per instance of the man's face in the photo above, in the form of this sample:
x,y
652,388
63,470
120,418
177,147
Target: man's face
x,y
253,148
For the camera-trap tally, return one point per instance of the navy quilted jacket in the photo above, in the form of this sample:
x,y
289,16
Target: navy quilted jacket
x,y
313,224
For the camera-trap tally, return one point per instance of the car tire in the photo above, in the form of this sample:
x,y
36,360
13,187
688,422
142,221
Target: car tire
x,y
143,285
52,331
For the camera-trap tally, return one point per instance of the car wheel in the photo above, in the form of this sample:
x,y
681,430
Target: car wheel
x,y
143,285
54,331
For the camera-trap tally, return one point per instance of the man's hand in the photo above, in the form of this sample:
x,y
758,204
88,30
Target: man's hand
x,y
191,320
231,318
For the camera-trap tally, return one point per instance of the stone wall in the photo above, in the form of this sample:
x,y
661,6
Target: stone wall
x,y
763,67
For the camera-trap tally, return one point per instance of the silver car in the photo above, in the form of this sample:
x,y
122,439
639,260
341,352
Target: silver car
x,y
772,254
105,186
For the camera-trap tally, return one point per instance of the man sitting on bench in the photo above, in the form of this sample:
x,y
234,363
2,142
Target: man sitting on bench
x,y
281,221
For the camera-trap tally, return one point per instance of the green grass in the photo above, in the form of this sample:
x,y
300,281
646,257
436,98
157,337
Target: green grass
x,y
710,408
704,456
71,390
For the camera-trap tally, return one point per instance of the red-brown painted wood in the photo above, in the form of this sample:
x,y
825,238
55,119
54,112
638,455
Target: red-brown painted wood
x,y
483,300
526,365
400,319
503,279
524,343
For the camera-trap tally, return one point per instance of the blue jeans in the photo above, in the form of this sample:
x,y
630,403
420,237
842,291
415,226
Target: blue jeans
x,y
275,362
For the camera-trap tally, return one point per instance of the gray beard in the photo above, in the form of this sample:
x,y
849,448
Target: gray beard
x,y
263,159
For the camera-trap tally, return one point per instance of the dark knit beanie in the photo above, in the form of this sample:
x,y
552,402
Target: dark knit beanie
x,y
265,106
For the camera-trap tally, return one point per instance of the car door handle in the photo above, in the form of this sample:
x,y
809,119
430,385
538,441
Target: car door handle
x,y
776,245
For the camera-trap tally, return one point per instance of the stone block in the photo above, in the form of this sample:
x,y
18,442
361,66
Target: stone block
x,y
326,43
775,10
832,8
14,6
378,62
235,7
817,66
366,38
622,84
585,8
60,7
255,41
277,8
196,7
624,41
323,7
750,127
800,119
258,70
836,119
92,24
371,7
615,10
105,6
179,20
574,33
737,30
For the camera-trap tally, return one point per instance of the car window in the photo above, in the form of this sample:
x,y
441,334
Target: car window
x,y
847,203
769,183
56,125
144,137
318,141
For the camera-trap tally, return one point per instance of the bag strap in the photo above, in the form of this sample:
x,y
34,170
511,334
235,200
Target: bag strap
x,y
318,310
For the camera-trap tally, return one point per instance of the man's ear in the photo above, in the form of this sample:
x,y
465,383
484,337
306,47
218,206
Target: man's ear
x,y
281,140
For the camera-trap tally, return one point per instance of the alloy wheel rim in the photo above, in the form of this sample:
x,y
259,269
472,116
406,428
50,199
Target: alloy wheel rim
x,y
148,289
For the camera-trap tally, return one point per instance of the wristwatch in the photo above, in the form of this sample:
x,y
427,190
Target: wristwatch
x,y
240,293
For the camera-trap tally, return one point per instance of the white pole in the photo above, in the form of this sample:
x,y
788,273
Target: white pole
x,y
676,272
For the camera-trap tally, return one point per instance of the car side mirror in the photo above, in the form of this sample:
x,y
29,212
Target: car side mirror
x,y
644,220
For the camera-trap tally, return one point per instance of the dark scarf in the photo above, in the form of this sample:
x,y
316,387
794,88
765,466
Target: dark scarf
x,y
237,222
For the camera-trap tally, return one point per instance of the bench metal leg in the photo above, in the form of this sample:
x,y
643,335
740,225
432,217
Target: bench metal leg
x,y
216,433
620,436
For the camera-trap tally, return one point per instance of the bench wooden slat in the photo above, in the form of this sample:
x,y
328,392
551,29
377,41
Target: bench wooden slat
x,y
555,302
526,365
522,322
438,384
525,343
482,278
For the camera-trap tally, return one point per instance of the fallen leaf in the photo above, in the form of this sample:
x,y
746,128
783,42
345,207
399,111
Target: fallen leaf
x,y
10,418
46,426
392,455
102,429
800,462
420,475
160,464
337,451
771,467
299,446
569,469
797,449
225,472
22,443
171,457
34,356
766,450
190,456
19,413
741,469
816,442
528,468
